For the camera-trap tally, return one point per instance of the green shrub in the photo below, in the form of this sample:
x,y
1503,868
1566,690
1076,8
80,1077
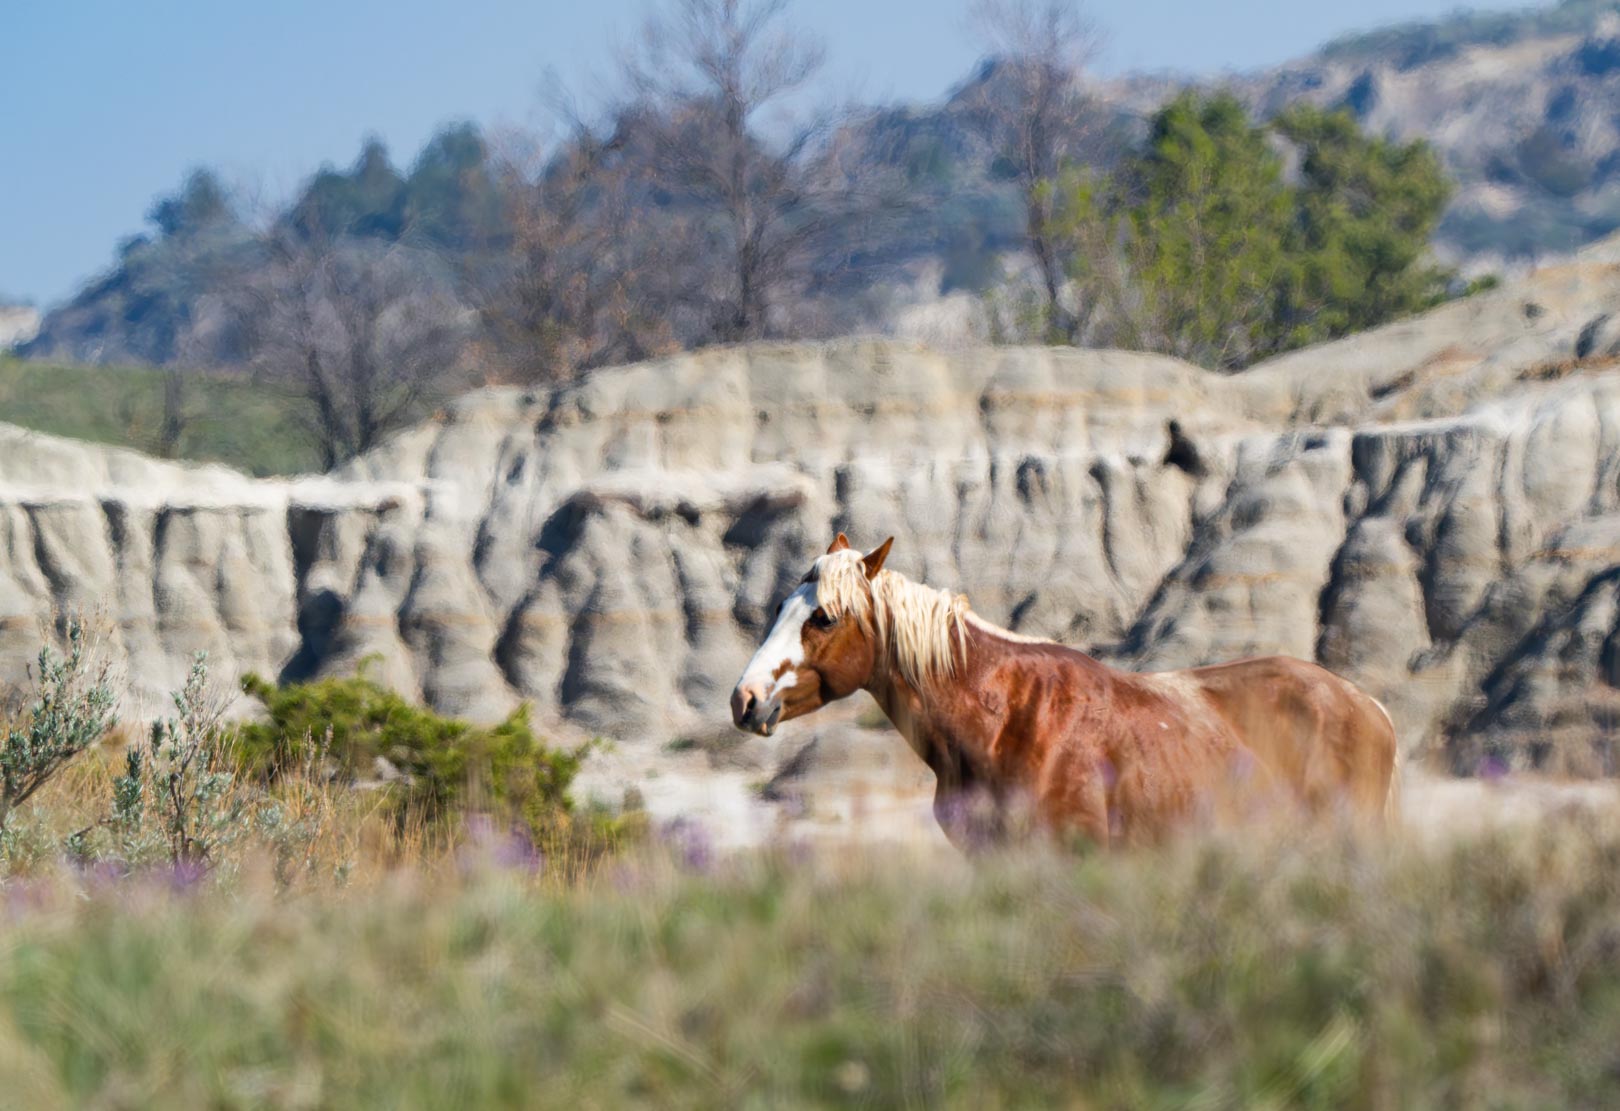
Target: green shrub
x,y
443,764
73,707
177,794
1201,244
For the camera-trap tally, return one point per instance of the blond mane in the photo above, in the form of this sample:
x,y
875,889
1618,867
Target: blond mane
x,y
920,630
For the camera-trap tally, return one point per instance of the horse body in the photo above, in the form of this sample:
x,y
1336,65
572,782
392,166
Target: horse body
x,y
1017,728
1124,758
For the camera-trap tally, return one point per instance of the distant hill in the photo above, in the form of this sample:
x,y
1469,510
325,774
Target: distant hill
x,y
1519,104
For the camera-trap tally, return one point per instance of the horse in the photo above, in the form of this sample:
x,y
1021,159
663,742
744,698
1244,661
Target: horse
x,y
1031,735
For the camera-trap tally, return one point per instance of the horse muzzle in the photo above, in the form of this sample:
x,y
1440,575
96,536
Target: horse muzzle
x,y
753,711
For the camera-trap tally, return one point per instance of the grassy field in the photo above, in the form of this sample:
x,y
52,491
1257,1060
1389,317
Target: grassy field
x,y
1485,974
230,419
435,935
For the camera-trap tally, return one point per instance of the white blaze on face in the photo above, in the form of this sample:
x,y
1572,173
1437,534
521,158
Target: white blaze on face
x,y
783,645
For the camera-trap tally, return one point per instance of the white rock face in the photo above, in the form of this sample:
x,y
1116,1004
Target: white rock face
x,y
18,325
1432,509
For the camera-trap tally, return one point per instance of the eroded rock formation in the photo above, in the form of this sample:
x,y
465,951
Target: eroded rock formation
x,y
1432,509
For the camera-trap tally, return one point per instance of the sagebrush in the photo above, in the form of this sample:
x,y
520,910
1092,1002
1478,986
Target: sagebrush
x,y
72,709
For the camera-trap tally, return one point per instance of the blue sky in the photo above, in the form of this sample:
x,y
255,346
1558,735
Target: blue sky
x,y
105,104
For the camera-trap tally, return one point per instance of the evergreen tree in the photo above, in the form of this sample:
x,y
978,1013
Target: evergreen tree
x,y
1199,245
367,200
452,198
1366,208
1208,229
202,204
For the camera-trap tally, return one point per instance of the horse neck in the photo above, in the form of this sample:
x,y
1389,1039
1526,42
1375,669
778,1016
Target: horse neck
x,y
960,722
944,719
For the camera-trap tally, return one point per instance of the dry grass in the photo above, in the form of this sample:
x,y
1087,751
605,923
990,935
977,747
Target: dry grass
x,y
329,836
346,955
1227,972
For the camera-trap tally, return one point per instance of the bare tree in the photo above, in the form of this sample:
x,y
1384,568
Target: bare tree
x,y
361,332
1033,112
177,413
574,286
214,327
763,210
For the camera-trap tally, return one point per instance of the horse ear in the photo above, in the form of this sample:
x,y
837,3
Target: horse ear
x,y
838,545
873,560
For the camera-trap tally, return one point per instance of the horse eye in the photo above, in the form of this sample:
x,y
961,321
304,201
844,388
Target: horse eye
x,y
821,620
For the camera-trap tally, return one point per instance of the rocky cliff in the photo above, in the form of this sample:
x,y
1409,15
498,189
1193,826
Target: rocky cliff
x,y
1432,509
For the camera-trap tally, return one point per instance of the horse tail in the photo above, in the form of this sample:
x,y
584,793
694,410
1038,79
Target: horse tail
x,y
1392,800
1392,796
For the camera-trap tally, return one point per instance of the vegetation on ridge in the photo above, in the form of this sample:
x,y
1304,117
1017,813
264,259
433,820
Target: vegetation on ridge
x,y
1201,245
676,218
1412,44
234,420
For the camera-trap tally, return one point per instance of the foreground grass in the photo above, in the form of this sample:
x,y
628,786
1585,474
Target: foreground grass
x,y
231,420
1212,975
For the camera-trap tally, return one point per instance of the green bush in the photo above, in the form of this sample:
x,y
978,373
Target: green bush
x,y
1202,246
73,708
443,764
177,795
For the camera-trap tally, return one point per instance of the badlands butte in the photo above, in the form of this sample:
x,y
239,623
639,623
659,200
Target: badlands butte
x,y
1432,509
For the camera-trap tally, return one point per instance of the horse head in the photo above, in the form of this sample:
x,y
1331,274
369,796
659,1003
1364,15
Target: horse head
x,y
822,645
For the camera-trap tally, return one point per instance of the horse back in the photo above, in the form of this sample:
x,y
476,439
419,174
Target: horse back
x,y
1329,741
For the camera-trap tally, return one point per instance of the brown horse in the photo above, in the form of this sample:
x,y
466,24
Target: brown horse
x,y
1013,726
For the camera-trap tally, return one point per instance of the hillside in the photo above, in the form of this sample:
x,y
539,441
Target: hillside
x,y
225,419
1516,103
1432,509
